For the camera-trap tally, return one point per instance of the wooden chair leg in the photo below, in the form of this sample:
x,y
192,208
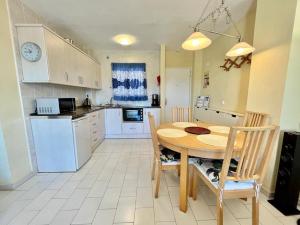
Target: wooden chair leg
x,y
157,180
178,171
153,168
255,211
219,211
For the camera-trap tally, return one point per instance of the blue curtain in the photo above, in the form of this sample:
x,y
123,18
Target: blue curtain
x,y
129,82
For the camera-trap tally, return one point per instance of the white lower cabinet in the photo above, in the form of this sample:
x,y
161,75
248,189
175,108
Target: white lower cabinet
x,y
113,121
97,128
116,128
132,128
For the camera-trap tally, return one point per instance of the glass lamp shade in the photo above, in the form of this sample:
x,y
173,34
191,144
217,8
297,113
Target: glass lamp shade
x,y
196,41
241,48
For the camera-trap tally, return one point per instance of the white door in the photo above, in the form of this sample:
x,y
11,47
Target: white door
x,y
113,121
178,90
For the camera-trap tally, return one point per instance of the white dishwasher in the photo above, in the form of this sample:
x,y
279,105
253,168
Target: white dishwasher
x,y
82,141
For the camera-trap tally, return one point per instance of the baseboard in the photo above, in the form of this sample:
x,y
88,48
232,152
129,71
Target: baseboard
x,y
267,192
128,136
8,187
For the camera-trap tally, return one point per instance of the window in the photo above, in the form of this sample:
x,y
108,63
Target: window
x,y
129,82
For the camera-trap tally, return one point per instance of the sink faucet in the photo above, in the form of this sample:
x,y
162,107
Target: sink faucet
x,y
111,101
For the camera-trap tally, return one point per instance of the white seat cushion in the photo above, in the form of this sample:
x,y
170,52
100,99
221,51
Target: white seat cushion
x,y
177,162
229,185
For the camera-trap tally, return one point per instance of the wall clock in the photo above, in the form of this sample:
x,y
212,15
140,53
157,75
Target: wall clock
x,y
31,51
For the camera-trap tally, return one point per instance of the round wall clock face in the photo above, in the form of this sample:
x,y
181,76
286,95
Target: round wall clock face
x,y
31,52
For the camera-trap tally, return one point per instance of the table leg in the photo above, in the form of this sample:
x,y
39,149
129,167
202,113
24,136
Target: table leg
x,y
184,170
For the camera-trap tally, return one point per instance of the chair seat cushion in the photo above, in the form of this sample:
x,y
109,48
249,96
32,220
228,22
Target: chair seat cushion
x,y
208,168
170,157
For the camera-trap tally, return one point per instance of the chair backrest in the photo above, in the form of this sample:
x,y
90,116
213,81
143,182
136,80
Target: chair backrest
x,y
257,144
181,114
255,119
155,142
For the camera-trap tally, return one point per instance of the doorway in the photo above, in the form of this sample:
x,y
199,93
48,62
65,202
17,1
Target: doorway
x,y
178,90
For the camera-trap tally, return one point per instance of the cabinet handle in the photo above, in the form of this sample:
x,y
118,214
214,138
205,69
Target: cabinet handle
x,y
67,76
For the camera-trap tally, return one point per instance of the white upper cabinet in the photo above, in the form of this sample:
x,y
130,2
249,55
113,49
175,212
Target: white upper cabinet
x,y
59,62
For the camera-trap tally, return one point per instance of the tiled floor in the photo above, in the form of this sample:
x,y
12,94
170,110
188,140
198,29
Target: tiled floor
x,y
115,187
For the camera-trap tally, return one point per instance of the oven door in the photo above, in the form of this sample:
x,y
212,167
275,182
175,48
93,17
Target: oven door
x,y
133,114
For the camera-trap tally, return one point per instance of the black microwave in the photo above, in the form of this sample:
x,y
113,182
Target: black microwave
x,y
133,115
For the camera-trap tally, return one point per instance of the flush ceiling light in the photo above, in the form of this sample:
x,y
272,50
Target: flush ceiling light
x,y
241,48
124,39
196,41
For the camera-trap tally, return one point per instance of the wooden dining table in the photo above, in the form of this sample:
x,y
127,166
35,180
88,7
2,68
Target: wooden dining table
x,y
189,145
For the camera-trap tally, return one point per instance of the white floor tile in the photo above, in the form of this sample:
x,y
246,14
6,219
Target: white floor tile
x,y
46,215
110,198
200,209
125,210
87,211
64,217
67,190
24,218
144,197
144,216
104,217
41,200
12,211
184,218
76,199
163,210
98,189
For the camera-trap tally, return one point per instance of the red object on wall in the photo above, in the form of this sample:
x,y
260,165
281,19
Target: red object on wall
x,y
158,80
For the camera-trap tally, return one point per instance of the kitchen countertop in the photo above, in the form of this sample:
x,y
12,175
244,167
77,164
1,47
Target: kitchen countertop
x,y
82,111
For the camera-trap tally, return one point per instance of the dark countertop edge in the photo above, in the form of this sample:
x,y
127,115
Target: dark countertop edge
x,y
85,110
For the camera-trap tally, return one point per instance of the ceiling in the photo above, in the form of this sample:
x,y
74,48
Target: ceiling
x,y
95,22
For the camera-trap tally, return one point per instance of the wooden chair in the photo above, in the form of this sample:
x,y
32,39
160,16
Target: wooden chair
x,y
255,119
159,165
181,114
246,180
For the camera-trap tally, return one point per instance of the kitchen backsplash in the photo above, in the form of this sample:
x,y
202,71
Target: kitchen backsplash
x,y
21,14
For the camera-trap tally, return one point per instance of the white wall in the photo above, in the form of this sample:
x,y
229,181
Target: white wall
x,y
151,58
230,88
14,155
269,68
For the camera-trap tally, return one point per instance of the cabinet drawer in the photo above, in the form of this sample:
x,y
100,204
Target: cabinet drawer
x,y
93,117
132,128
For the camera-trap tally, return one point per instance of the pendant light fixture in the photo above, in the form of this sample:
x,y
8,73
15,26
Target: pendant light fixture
x,y
241,48
198,40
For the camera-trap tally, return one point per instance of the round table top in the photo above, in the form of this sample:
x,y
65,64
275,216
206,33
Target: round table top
x,y
194,146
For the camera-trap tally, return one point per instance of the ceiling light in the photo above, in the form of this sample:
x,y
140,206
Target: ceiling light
x,y
241,48
196,41
124,39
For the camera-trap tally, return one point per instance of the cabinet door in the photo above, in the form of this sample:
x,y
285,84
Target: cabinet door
x,y
98,76
71,67
101,118
56,60
113,121
156,113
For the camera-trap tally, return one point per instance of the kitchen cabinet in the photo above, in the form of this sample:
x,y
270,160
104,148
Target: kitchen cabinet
x,y
97,128
156,113
113,121
60,62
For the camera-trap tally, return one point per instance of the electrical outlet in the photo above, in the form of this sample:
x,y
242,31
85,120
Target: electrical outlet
x,y
223,102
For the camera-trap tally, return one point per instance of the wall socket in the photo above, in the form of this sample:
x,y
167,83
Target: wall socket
x,y
223,103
